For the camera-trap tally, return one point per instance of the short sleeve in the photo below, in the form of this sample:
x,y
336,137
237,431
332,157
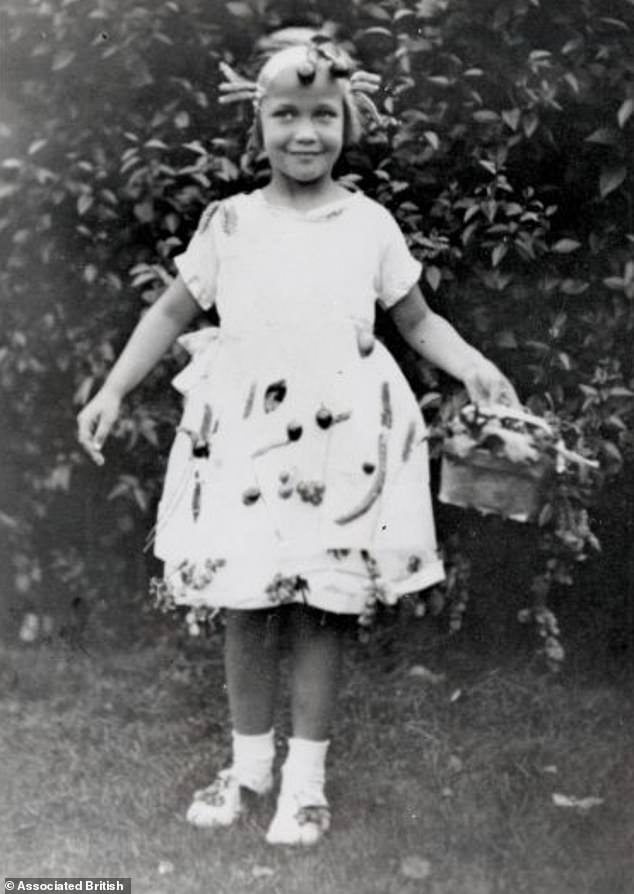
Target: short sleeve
x,y
399,270
198,264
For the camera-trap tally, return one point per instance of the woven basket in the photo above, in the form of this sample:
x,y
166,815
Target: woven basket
x,y
495,485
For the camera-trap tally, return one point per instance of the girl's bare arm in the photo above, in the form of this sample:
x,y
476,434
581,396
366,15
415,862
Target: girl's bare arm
x,y
435,339
154,334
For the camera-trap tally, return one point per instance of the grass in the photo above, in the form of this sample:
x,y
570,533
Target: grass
x,y
100,752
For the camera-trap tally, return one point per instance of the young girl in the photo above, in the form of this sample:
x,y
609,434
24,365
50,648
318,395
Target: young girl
x,y
297,486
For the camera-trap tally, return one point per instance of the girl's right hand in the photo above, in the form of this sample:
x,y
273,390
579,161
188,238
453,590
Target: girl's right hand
x,y
95,421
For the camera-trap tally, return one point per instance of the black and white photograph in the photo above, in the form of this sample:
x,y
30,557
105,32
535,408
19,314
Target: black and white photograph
x,y
317,455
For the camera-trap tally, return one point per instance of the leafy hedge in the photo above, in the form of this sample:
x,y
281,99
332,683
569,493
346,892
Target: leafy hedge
x,y
505,159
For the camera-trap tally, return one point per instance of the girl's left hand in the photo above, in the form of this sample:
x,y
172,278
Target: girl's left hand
x,y
487,385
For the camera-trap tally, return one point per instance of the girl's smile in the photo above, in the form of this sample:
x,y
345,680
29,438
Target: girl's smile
x,y
302,128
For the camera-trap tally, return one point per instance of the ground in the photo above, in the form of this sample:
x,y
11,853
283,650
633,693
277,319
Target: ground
x,y
442,773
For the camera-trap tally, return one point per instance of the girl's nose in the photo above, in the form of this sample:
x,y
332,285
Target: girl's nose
x,y
305,131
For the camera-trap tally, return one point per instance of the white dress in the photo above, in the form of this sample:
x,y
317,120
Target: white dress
x,y
299,471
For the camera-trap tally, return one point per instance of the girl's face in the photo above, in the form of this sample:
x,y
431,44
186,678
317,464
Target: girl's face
x,y
302,126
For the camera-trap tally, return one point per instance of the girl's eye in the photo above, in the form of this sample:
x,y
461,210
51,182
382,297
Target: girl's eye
x,y
283,115
326,114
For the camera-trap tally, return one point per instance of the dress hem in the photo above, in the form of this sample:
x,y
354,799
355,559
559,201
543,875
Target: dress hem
x,y
331,601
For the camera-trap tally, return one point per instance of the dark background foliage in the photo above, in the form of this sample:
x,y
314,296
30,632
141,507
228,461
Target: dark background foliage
x,y
505,160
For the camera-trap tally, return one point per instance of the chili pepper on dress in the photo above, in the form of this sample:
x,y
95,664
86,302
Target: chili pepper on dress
x,y
409,441
386,406
196,496
376,488
248,407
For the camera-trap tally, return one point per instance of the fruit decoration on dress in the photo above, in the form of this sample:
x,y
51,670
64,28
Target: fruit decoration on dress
x,y
311,491
251,496
248,407
409,442
283,589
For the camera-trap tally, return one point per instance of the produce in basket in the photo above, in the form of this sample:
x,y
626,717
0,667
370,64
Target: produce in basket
x,y
500,460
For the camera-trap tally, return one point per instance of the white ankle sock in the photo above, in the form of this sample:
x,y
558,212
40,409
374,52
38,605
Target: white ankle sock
x,y
304,772
303,776
253,760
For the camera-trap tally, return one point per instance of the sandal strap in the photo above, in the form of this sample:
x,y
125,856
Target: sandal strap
x,y
215,794
318,814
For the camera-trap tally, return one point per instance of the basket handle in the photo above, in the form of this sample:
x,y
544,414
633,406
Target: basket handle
x,y
501,411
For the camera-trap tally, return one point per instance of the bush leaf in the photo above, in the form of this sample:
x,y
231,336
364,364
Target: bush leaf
x,y
611,179
565,246
625,110
433,276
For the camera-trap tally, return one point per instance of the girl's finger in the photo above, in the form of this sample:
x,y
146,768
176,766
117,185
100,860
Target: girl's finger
x,y
507,395
102,431
87,423
91,448
503,392
95,454
474,390
84,427
483,390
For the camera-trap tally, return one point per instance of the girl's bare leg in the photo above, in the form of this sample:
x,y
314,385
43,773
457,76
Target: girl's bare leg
x,y
316,638
251,655
302,814
251,659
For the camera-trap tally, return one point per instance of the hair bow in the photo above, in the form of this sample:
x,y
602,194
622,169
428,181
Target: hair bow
x,y
363,84
236,88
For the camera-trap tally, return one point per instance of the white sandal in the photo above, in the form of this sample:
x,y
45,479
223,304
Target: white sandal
x,y
220,803
296,823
